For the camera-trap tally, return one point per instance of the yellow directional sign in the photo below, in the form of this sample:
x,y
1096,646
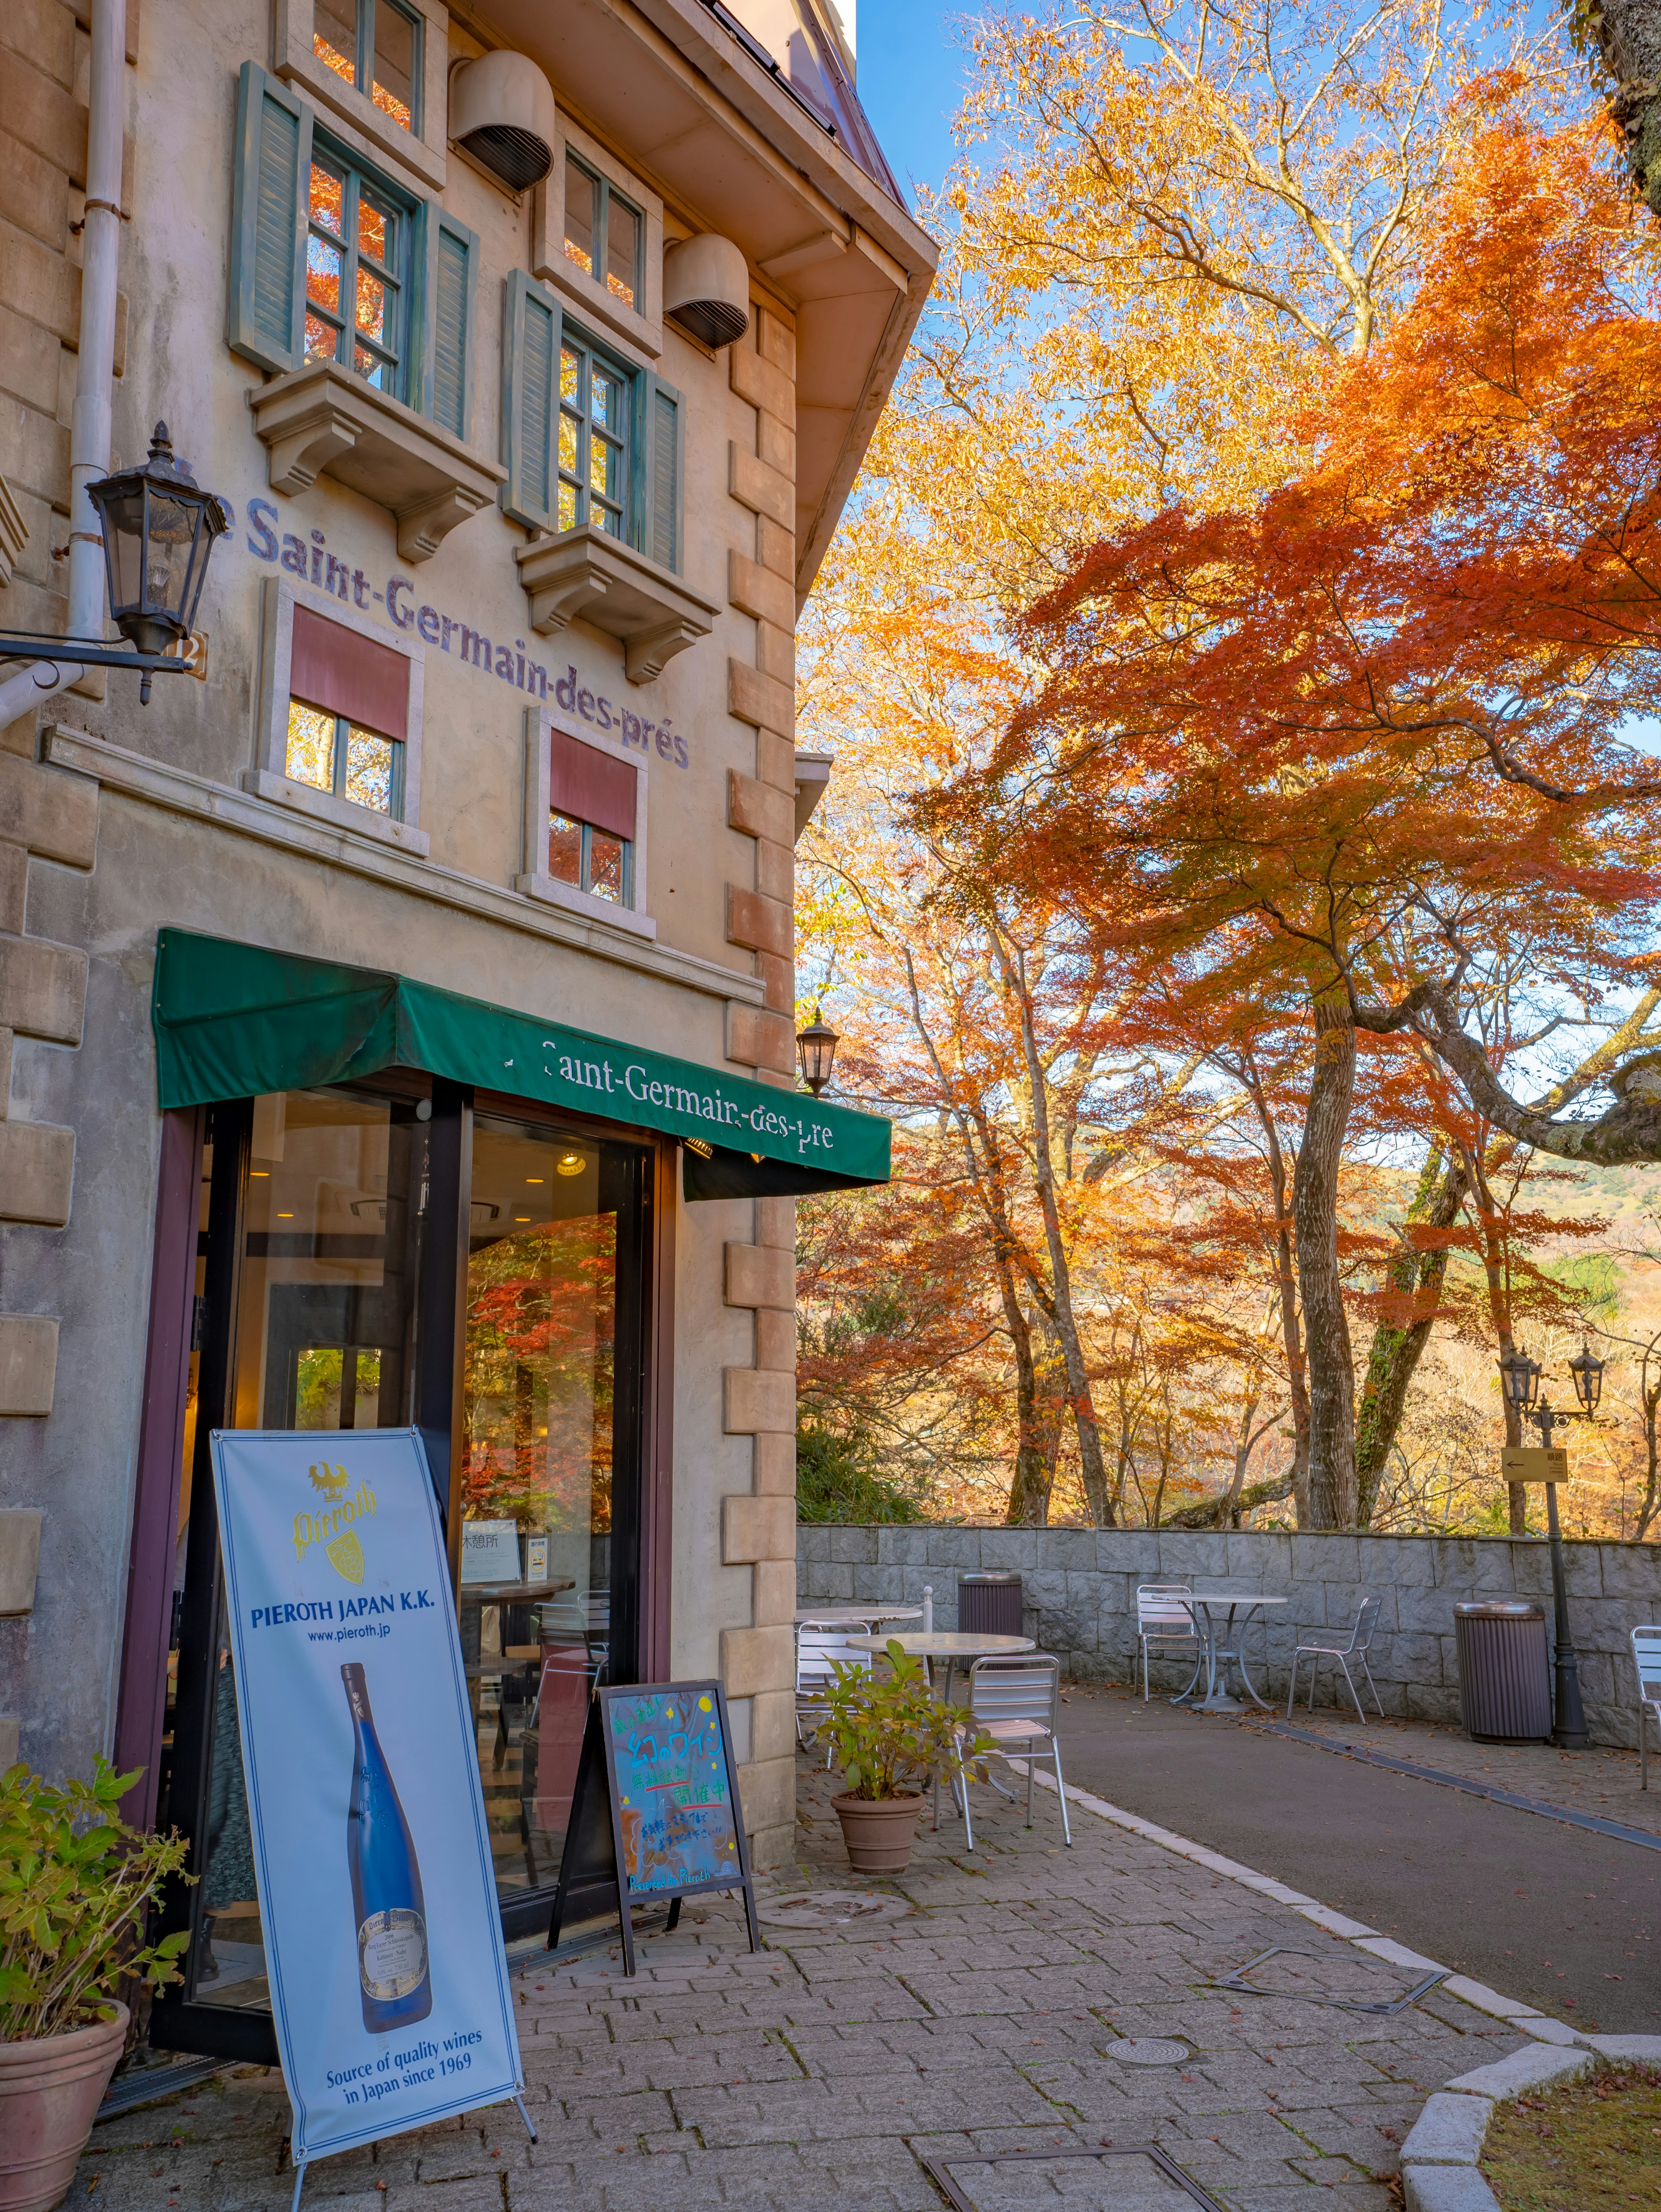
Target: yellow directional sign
x,y
1531,1463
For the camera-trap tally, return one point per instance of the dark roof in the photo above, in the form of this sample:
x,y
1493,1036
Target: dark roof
x,y
814,72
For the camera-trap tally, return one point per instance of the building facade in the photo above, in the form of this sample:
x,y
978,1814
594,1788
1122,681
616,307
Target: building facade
x,y
397,1012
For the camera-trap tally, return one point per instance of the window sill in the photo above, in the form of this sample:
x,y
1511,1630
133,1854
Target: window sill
x,y
340,813
587,573
552,892
322,420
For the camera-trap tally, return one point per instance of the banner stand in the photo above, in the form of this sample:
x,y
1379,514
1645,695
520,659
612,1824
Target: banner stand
x,y
300,2171
391,1998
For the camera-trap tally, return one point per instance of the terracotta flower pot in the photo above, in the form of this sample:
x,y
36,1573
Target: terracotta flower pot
x,y
880,1831
50,2091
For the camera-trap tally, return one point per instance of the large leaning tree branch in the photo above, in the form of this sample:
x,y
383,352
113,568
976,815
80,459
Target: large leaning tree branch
x,y
1628,1132
1626,36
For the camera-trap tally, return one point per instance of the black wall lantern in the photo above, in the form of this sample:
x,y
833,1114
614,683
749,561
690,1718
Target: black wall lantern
x,y
159,528
816,1048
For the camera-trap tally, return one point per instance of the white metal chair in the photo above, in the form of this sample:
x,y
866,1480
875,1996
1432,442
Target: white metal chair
x,y
1017,1702
1317,1648
821,1645
1163,1616
1646,1656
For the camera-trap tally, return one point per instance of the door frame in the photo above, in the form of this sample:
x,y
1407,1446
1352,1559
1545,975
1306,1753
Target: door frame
x,y
177,2020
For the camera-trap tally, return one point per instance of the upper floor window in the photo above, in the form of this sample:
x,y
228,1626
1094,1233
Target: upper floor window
x,y
595,425
589,441
604,234
375,45
331,262
356,270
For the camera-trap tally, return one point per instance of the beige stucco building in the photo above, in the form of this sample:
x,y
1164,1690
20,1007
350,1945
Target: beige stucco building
x,y
533,351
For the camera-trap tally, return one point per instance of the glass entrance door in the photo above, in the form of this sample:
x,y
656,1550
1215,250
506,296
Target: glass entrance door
x,y
375,1260
552,1364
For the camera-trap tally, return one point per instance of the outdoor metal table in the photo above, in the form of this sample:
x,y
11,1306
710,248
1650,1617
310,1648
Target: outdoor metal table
x,y
1221,1640
950,1646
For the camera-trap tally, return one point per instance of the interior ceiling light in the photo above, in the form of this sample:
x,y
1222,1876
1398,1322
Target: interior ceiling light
x,y
569,1164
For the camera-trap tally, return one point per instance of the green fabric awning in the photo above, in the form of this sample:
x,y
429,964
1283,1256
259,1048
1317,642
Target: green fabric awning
x,y
233,1021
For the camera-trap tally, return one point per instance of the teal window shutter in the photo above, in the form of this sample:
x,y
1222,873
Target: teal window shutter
x,y
530,401
441,352
663,471
265,311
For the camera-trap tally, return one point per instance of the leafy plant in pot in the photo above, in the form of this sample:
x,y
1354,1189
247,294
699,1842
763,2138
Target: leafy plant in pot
x,y
75,1884
887,1733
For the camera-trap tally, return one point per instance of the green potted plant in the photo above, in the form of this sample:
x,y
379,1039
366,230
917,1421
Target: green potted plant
x,y
75,1884
890,1736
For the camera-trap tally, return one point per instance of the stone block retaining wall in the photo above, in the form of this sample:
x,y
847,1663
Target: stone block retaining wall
x,y
1080,1591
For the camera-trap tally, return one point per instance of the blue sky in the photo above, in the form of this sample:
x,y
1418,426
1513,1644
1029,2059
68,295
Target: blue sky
x,y
911,74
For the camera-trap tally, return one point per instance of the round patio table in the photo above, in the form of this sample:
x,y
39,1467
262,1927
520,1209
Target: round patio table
x,y
850,1616
949,1645
1222,1616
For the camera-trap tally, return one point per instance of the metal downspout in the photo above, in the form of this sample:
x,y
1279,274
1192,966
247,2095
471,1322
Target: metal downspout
x,y
89,434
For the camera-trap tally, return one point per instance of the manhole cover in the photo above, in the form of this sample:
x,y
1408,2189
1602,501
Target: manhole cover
x,y
1132,2177
1352,1981
833,1908
1148,2050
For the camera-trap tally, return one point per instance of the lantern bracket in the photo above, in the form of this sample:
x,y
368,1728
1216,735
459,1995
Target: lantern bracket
x,y
90,652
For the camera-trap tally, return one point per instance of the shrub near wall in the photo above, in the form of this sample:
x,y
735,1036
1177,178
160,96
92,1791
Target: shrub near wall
x,y
1080,1588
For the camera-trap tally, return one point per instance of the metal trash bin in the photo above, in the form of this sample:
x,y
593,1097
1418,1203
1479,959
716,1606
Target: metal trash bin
x,y
989,1605
1505,1680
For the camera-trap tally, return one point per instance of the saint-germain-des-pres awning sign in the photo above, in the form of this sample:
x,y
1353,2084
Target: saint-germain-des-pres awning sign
x,y
236,1021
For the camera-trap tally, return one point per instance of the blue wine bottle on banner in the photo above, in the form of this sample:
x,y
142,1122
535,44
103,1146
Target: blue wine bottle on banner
x,y
395,1982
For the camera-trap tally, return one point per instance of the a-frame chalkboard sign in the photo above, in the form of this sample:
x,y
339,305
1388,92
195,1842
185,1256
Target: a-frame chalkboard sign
x,y
656,1815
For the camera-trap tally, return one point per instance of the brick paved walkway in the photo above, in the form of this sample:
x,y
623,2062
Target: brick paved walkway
x,y
820,2074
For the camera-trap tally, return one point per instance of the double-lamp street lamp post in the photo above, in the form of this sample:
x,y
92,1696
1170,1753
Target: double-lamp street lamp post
x,y
1521,1378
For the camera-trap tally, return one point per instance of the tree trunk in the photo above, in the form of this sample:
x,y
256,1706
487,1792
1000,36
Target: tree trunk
x,y
1091,1465
1285,1275
1028,1492
1491,1238
1396,1347
1332,1497
1628,34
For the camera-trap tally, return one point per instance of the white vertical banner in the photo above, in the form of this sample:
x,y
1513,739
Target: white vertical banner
x,y
377,1893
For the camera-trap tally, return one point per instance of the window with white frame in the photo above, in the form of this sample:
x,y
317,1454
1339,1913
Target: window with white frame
x,y
375,45
585,824
340,717
604,233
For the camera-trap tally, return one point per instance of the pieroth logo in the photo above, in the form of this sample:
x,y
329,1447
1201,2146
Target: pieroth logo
x,y
333,1524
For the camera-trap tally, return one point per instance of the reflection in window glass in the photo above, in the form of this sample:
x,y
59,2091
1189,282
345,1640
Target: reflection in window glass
x,y
395,48
596,402
376,47
355,255
594,860
539,1419
606,861
331,754
369,769
310,745
580,191
622,228
565,849
334,36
